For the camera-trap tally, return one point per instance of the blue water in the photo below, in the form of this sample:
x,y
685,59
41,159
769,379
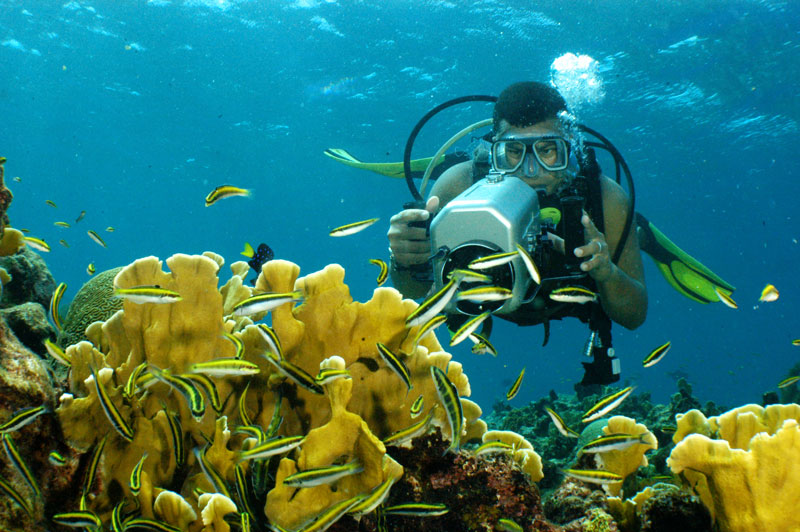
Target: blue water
x,y
134,111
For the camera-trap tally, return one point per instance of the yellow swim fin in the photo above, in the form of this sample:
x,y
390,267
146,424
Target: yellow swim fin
x,y
682,271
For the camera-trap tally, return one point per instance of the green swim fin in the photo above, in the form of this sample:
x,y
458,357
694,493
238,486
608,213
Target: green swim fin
x,y
685,273
395,170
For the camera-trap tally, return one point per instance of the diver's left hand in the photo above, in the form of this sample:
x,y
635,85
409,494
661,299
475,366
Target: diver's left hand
x,y
599,266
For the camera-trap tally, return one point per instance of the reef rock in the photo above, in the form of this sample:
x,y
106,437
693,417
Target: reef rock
x,y
30,325
31,281
5,199
24,382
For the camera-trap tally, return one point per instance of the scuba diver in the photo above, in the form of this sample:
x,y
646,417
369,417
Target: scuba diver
x,y
583,236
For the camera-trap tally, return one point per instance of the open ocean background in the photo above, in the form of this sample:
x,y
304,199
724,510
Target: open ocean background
x,y
134,110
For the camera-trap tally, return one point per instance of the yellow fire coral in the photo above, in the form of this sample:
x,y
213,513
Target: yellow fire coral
x,y
626,461
329,323
345,438
523,454
750,478
196,429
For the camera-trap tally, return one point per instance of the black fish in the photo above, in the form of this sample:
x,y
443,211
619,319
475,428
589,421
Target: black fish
x,y
257,257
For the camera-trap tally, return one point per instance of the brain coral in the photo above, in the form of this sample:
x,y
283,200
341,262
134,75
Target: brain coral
x,y
93,302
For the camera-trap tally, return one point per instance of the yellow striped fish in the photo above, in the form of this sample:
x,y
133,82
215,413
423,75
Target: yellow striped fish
x,y
135,482
225,367
448,396
416,406
573,294
19,464
725,298
412,431
208,386
57,353
492,447
606,404
514,390
561,425
434,304
468,328
225,191
384,270
656,355
9,490
769,293
593,476
492,261
353,228
22,417
94,236
55,301
265,302
396,364
374,498
147,294
110,409
322,475
237,343
533,271
36,243
429,326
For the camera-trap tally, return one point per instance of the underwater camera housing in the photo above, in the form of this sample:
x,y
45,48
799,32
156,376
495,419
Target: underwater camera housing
x,y
493,216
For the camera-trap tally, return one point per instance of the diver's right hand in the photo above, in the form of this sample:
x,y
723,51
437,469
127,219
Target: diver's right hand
x,y
411,245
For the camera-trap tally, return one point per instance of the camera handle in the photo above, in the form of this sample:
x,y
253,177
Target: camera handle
x,y
420,272
571,213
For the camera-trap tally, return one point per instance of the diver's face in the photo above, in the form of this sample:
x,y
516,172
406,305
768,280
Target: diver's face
x,y
539,178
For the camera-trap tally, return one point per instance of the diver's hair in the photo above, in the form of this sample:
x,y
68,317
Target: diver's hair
x,y
526,103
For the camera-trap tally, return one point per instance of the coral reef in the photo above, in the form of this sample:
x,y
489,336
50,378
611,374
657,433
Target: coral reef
x,y
660,508
534,424
670,509
479,491
748,476
572,501
129,394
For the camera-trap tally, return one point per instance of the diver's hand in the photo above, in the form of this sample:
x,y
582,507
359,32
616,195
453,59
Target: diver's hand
x,y
599,266
411,245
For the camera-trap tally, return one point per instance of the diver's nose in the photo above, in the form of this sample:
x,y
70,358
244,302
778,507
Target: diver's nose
x,y
530,166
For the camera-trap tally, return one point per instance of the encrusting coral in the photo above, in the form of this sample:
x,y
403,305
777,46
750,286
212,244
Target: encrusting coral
x,y
130,399
749,478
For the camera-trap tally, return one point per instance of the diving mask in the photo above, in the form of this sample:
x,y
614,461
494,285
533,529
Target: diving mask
x,y
511,154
